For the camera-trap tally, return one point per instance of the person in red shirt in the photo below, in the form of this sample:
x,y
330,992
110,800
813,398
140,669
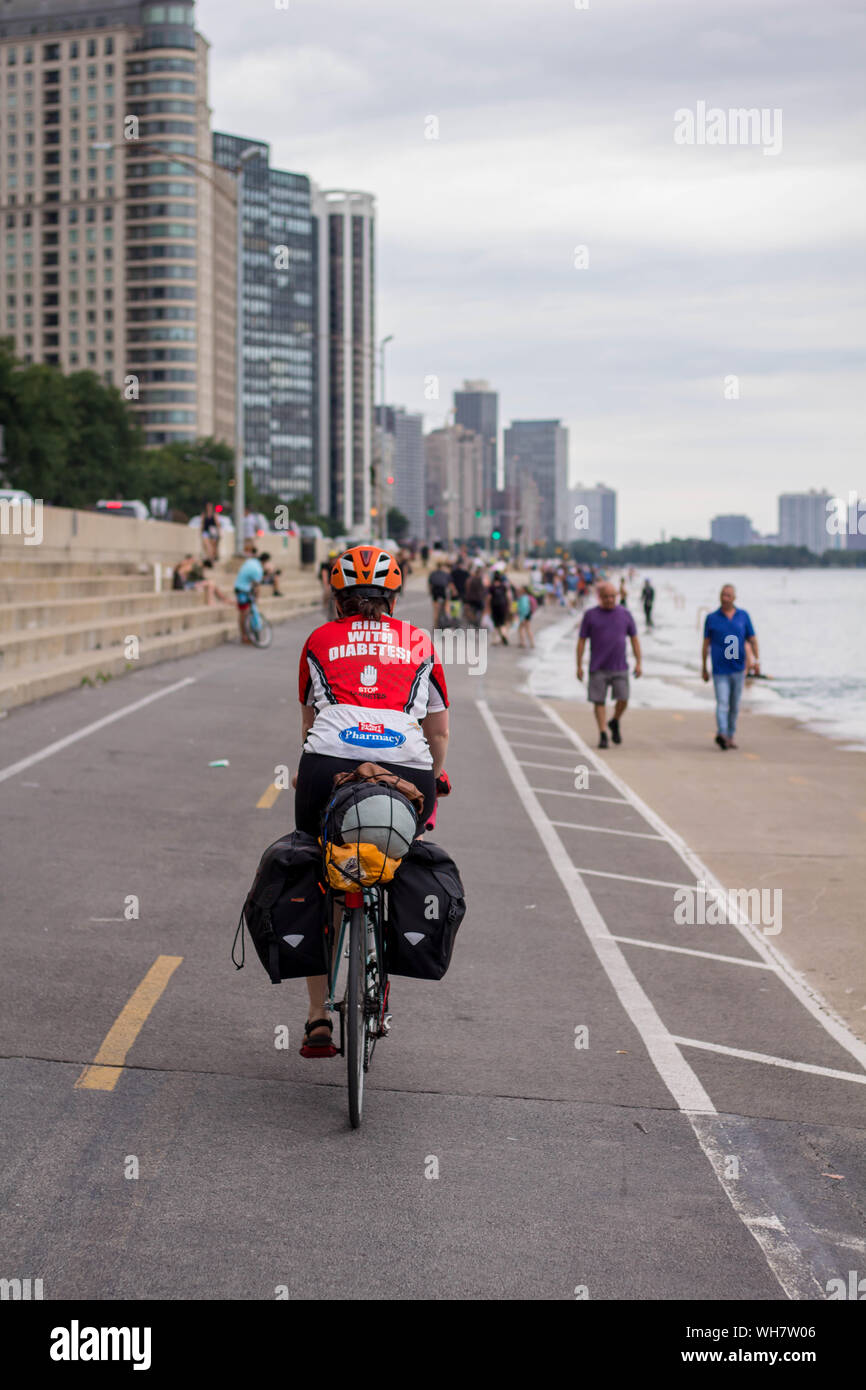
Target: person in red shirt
x,y
372,688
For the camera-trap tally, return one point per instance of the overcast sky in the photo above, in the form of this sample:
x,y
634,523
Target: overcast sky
x,y
556,131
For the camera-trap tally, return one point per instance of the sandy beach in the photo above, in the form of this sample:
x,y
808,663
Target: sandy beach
x,y
787,810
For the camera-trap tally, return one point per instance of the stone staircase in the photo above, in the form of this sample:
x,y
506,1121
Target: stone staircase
x,y
66,623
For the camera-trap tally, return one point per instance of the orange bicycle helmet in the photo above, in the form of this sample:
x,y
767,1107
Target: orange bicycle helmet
x,y
366,566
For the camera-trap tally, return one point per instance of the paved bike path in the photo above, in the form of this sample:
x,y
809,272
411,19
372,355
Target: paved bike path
x,y
558,1166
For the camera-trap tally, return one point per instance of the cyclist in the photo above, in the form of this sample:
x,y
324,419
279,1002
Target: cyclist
x,y
247,580
371,688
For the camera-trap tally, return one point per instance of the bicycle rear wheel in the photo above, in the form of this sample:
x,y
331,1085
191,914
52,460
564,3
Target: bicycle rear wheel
x,y
260,630
356,1022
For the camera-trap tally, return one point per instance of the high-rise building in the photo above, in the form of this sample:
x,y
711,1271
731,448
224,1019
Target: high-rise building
x,y
403,460
803,520
538,449
280,292
855,538
454,469
345,229
120,239
600,515
732,530
476,408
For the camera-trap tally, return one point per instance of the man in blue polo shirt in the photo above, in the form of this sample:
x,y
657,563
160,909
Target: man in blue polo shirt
x,y
727,634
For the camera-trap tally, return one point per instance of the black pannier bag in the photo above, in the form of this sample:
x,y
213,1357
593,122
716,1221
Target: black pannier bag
x,y
286,910
424,905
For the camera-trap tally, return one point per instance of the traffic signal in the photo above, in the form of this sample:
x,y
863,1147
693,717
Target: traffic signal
x,y
431,511
477,513
389,480
496,535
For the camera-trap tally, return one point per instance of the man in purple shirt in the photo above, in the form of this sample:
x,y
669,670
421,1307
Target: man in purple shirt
x,y
606,629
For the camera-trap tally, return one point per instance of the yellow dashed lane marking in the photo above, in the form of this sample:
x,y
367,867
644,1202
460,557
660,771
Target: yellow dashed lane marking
x,y
267,799
753,757
107,1065
799,781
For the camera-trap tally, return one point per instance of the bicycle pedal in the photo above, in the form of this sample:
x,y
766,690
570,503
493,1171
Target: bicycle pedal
x,y
385,1027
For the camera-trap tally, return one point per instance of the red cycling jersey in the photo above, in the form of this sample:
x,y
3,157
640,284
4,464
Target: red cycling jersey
x,y
371,681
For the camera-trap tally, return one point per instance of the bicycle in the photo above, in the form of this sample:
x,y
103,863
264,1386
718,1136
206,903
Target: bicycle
x,y
256,626
363,1008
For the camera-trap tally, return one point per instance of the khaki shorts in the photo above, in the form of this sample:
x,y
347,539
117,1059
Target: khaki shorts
x,y
599,682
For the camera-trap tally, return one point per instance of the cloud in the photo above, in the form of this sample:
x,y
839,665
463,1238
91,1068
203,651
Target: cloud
x,y
556,130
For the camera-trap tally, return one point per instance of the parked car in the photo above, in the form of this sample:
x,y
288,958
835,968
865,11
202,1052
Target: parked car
x,y
14,494
119,507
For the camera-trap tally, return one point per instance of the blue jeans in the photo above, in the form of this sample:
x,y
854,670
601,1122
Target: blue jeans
x,y
729,690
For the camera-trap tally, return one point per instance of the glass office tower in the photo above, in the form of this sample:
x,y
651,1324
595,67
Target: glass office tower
x,y
279,281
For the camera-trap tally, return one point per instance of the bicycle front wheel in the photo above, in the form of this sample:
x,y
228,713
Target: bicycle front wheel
x,y
258,629
356,1022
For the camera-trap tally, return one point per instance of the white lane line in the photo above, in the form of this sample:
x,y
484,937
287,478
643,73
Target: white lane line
x,y
524,718
548,767
773,1061
518,729
554,791
690,951
672,1067
539,747
809,997
782,1254
797,1277
604,830
15,768
633,878
558,767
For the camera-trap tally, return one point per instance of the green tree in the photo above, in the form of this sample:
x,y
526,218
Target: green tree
x,y
68,439
37,433
188,473
105,443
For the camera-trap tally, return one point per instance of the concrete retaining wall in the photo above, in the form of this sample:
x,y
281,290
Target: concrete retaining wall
x,y
88,536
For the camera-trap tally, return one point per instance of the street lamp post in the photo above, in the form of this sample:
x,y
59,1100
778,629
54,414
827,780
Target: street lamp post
x,y
240,470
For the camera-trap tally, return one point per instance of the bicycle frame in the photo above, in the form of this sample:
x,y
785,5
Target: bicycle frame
x,y
370,900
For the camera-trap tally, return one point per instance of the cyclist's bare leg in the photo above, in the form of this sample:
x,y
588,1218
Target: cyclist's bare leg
x,y
317,989
317,985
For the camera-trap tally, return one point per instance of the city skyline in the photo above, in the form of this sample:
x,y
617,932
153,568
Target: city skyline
x,y
703,263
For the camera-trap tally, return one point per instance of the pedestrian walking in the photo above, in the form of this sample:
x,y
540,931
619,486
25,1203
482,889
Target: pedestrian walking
x,y
606,628
474,597
729,638
439,584
525,610
647,598
500,605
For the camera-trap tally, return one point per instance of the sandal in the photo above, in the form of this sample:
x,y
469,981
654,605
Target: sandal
x,y
318,1047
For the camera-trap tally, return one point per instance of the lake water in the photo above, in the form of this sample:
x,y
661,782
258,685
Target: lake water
x,y
810,629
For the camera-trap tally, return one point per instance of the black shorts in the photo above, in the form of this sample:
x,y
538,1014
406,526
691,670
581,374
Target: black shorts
x,y
316,773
